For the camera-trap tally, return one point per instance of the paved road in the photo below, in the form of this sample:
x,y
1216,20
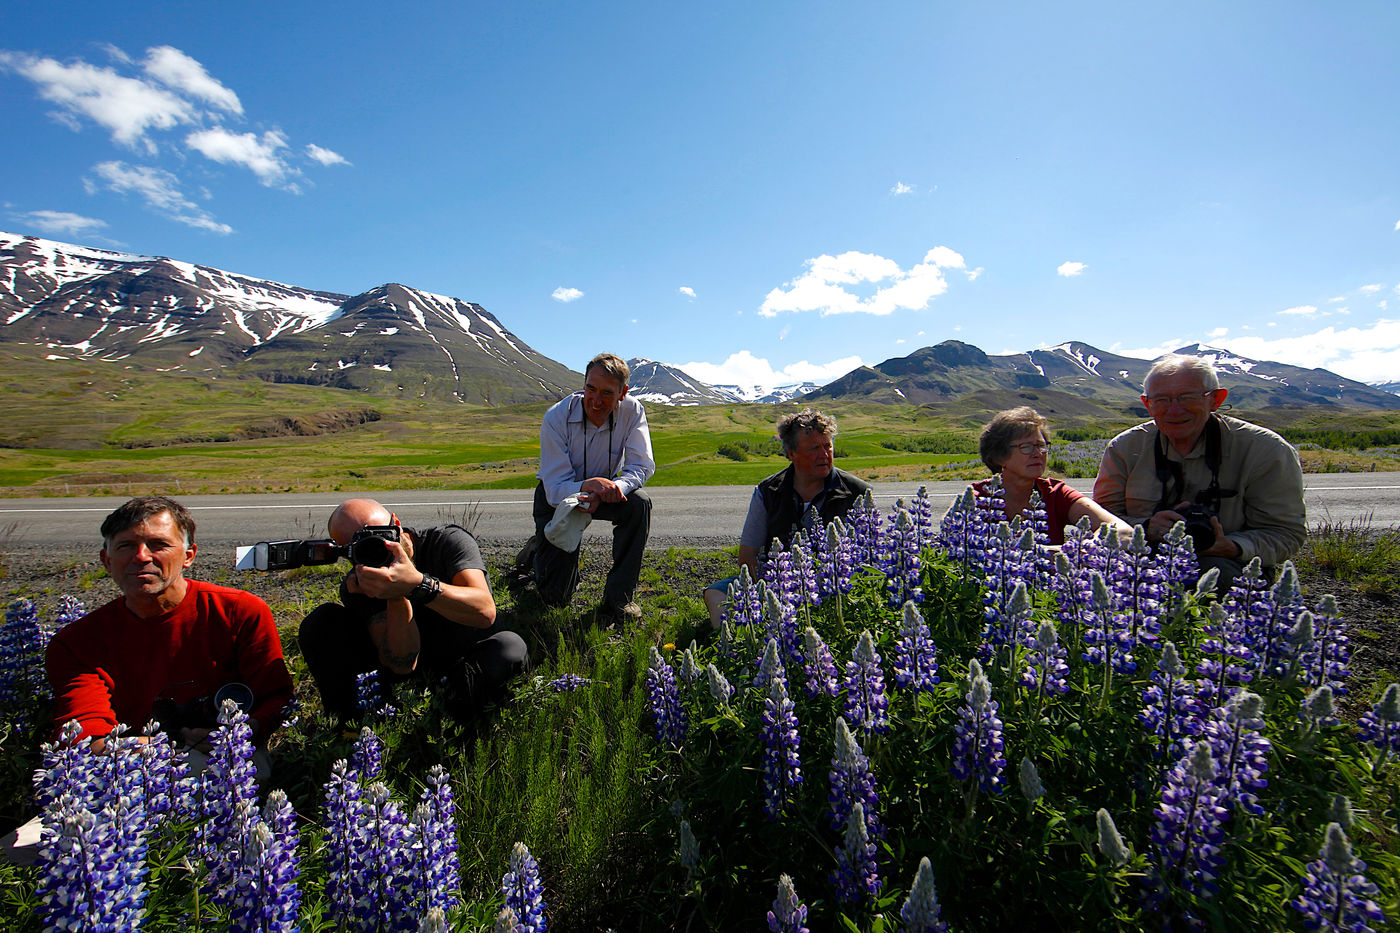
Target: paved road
x,y
702,516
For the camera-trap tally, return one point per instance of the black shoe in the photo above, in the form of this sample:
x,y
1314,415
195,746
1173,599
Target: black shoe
x,y
613,614
522,572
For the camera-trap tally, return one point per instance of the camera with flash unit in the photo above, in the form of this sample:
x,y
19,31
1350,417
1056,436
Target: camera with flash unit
x,y
368,547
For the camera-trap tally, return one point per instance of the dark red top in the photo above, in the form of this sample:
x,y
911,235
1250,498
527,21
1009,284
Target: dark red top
x,y
111,666
1057,497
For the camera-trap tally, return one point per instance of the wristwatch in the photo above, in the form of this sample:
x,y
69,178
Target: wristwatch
x,y
426,591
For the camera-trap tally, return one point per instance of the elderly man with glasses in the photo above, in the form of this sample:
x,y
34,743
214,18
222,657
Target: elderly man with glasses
x,y
1239,487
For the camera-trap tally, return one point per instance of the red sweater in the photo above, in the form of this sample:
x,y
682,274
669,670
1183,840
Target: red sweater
x,y
111,666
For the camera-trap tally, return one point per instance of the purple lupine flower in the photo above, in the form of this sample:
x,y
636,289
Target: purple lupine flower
x,y
1110,842
507,922
745,603
789,915
899,559
720,689
1327,662
1138,591
165,774
921,511
367,756
264,895
228,782
523,891
782,764
1171,708
1009,565
1381,727
1046,671
22,679
668,715
1178,565
852,782
1038,523
780,623
384,888
867,705
818,666
1336,895
567,683
435,868
1108,646
836,564
921,910
1268,618
857,871
369,692
1190,826
915,654
769,664
1226,659
865,521
961,534
801,585
90,876
1241,753
66,767
343,804
977,748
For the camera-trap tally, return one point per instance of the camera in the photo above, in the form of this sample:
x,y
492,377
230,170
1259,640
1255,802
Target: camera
x,y
1198,525
201,712
367,547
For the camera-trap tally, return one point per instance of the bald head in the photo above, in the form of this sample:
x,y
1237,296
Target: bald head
x,y
352,515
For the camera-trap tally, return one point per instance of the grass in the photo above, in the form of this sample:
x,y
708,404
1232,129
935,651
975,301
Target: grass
x,y
1357,552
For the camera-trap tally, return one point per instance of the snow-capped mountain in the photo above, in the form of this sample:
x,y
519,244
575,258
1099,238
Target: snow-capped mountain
x,y
77,302
1392,387
1082,379
663,384
757,393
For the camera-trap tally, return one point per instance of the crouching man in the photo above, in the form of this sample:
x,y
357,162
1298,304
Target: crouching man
x,y
427,612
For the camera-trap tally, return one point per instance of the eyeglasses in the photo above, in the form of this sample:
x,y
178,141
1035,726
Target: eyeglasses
x,y
1029,448
1185,399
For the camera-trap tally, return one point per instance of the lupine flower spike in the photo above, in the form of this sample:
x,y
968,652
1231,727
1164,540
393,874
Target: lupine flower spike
x,y
1336,894
1110,842
789,915
920,913
1381,727
523,891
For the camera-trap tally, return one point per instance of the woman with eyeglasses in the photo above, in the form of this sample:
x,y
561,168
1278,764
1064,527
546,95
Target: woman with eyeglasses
x,y
1016,444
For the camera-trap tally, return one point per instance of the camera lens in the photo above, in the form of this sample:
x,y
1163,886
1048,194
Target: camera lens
x,y
370,552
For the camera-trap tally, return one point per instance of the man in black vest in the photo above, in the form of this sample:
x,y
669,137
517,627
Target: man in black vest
x,y
807,494
1239,485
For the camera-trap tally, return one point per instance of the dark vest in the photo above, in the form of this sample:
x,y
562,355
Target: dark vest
x,y
779,502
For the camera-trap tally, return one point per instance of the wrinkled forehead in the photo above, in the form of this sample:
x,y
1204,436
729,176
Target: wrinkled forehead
x,y
599,380
1183,380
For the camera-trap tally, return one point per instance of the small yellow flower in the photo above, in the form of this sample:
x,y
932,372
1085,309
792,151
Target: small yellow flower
x,y
669,646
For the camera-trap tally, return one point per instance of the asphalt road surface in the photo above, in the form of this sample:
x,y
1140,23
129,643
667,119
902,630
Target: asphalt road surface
x,y
699,516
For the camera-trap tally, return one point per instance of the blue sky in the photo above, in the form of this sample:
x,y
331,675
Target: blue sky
x,y
757,192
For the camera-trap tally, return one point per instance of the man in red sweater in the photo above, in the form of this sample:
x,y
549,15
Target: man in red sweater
x,y
167,640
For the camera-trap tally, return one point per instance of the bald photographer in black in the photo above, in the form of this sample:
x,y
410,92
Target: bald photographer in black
x,y
427,613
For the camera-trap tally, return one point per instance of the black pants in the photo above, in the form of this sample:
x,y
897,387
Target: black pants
x,y
337,648
556,571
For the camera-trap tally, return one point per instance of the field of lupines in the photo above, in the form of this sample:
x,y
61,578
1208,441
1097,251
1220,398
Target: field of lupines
x,y
902,725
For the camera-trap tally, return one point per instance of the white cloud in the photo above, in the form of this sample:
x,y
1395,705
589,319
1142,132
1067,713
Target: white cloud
x,y
1304,310
901,188
898,341
1370,289
177,70
1218,332
1397,225
325,156
745,369
258,155
566,295
62,222
974,274
822,287
1338,300
127,107
1070,269
687,291
158,188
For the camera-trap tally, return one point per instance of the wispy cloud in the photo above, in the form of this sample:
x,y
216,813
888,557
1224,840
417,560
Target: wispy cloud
x,y
1370,289
566,295
824,287
178,71
261,155
745,369
1302,310
687,291
158,188
61,222
901,188
325,156
1070,269
1218,333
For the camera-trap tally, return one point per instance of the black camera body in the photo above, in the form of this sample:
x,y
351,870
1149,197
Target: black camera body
x,y
1198,525
201,712
367,547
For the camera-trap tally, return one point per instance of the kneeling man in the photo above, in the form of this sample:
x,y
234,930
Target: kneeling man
x,y
427,613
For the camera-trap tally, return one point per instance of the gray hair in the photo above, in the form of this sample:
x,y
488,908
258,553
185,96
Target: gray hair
x,y
792,426
613,366
1174,363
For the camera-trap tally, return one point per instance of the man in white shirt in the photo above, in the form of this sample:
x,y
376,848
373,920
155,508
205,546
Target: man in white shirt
x,y
595,449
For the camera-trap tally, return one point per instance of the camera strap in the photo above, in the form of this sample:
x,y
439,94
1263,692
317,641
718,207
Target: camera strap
x,y
583,430
1172,477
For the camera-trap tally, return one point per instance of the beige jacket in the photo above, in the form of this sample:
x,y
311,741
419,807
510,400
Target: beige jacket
x,y
1267,519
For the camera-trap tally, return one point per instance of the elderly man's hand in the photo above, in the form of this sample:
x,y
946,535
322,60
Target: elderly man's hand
x,y
1223,546
1161,523
396,580
604,489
